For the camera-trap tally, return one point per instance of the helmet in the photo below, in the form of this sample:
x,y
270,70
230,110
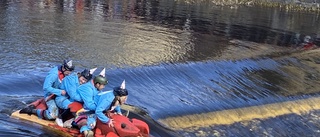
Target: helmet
x,y
101,80
120,92
86,74
307,39
67,64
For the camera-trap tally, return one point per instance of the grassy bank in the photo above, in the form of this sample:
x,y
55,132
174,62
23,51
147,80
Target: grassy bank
x,y
296,5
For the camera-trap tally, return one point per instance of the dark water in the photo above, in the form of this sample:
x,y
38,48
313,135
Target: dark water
x,y
178,60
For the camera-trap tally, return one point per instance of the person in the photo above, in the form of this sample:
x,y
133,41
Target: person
x,y
307,44
51,87
108,101
87,93
89,90
70,85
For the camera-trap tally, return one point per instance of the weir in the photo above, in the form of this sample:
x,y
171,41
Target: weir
x,y
230,116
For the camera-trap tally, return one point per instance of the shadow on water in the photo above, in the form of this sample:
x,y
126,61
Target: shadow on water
x,y
156,130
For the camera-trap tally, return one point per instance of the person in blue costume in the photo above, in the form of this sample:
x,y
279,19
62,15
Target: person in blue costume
x,y
89,90
108,101
87,93
70,85
51,87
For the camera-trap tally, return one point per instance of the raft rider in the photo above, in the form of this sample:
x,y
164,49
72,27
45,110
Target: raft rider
x,y
67,103
51,87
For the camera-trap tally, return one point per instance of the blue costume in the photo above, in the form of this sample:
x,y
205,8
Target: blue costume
x,y
70,85
104,102
51,86
87,92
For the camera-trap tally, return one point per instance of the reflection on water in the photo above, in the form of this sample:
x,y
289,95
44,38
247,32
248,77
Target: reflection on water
x,y
148,32
193,61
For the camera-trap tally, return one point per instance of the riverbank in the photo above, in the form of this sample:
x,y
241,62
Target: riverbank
x,y
290,5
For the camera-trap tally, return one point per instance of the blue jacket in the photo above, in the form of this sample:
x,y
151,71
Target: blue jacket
x,y
104,101
70,85
87,92
52,83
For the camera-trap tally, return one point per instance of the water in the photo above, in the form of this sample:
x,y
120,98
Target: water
x,y
180,61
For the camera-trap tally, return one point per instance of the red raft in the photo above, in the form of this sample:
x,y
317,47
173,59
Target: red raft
x,y
123,126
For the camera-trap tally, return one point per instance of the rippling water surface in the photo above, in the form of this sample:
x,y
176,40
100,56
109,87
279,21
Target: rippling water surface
x,y
198,69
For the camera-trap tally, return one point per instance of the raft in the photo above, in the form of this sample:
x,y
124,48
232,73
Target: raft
x,y
123,126
51,125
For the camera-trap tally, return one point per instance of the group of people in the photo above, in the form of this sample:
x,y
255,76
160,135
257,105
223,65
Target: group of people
x,y
79,95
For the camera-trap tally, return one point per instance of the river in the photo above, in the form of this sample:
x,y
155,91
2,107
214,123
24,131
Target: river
x,y
198,69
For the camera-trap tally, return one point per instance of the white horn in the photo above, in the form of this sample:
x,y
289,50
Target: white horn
x,y
103,72
123,85
92,70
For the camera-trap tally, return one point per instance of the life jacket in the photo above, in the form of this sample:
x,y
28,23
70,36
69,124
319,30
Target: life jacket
x,y
308,46
60,75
